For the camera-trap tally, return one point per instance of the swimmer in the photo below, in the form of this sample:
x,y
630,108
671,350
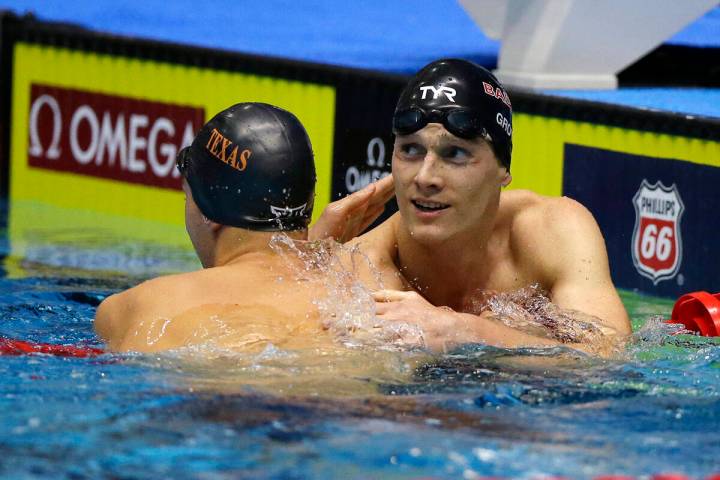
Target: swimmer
x,y
248,175
458,235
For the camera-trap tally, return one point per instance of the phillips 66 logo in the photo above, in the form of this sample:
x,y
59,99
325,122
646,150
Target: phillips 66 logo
x,y
656,242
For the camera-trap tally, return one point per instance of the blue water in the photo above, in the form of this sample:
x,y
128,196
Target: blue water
x,y
478,411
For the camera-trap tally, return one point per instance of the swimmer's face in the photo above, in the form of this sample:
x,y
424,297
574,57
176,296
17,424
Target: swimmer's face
x,y
446,187
198,228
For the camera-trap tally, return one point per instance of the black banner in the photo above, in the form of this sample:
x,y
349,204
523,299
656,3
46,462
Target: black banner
x,y
659,217
363,135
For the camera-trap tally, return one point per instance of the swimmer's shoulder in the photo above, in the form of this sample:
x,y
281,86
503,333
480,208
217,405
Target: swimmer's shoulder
x,y
381,241
161,296
379,247
545,228
552,217
531,214
515,202
167,290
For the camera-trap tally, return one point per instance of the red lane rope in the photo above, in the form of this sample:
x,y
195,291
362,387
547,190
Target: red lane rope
x,y
10,346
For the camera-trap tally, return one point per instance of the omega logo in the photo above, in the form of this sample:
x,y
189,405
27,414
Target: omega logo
x,y
356,178
108,136
36,149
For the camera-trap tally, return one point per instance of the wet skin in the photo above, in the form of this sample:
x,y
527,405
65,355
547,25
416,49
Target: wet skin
x,y
445,186
245,297
458,236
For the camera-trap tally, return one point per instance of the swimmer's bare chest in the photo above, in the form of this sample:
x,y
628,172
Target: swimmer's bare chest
x,y
465,292
503,271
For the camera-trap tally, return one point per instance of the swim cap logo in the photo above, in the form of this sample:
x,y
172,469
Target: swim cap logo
x,y
656,243
288,212
218,147
448,91
504,123
497,93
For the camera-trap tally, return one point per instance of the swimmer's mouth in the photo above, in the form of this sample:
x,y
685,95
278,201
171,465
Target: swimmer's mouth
x,y
425,206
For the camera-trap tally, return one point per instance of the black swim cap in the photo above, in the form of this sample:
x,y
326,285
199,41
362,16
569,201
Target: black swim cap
x,y
466,98
252,166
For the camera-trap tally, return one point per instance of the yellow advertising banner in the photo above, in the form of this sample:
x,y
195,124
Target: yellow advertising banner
x,y
539,143
94,138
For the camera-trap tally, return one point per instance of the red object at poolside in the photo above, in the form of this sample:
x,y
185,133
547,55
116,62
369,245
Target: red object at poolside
x,y
9,346
698,312
657,476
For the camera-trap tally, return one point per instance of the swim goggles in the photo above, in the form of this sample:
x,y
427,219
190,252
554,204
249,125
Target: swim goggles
x,y
460,122
182,160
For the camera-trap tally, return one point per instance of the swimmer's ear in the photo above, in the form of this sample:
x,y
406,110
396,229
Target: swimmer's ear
x,y
507,178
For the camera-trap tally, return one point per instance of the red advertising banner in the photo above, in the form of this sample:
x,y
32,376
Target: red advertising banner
x,y
109,136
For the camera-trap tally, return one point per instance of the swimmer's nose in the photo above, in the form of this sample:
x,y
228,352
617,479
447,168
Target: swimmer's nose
x,y
428,177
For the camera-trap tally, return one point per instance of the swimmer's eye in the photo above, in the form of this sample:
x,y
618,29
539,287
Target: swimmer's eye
x,y
455,154
411,149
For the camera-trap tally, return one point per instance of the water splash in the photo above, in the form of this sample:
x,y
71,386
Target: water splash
x,y
347,309
657,340
530,310
205,337
655,332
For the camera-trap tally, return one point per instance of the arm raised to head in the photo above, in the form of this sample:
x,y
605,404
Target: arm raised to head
x,y
348,217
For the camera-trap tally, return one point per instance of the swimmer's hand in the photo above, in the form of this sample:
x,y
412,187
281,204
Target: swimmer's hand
x,y
348,217
442,328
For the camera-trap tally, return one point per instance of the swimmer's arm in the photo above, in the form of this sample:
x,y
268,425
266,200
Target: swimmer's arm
x,y
444,328
348,217
577,268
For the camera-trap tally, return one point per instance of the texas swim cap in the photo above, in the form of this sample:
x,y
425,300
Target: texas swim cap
x,y
466,98
252,166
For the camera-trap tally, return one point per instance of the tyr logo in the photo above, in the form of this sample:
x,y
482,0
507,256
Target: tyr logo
x,y
448,91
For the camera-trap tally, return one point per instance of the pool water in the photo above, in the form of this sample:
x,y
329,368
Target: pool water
x,y
474,412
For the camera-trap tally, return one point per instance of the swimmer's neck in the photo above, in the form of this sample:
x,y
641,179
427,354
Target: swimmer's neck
x,y
446,273
238,245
